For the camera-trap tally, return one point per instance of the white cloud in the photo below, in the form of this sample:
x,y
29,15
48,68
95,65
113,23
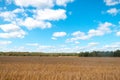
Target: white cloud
x,y
63,2
7,15
103,28
11,31
36,3
12,16
41,17
5,42
9,27
15,34
77,36
113,11
94,32
78,33
59,34
41,3
31,23
50,14
118,33
112,2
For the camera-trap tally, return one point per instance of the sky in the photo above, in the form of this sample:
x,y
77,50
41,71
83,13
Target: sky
x,y
59,25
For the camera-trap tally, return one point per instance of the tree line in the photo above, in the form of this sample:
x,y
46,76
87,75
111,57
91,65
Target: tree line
x,y
81,54
100,54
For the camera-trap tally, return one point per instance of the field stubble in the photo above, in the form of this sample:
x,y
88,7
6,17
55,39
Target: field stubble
x,y
59,68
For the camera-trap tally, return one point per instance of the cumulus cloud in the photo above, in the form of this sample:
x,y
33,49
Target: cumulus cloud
x,y
15,34
103,28
40,16
79,35
40,19
112,2
11,31
63,2
113,11
8,16
31,23
41,3
9,27
36,3
13,15
50,14
58,34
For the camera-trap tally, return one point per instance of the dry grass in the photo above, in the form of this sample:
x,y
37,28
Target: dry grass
x,y
59,68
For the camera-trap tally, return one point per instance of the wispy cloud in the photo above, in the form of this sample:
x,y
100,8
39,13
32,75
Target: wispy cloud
x,y
113,11
111,2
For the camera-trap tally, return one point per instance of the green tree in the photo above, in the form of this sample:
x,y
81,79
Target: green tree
x,y
117,53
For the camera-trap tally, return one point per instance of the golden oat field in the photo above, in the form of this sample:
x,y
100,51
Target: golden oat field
x,y
59,68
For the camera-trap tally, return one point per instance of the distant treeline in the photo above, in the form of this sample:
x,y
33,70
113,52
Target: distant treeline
x,y
100,54
81,54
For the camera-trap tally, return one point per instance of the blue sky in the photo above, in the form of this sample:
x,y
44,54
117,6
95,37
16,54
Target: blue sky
x,y
59,25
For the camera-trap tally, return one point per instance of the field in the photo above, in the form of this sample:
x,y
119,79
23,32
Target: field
x,y
59,68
